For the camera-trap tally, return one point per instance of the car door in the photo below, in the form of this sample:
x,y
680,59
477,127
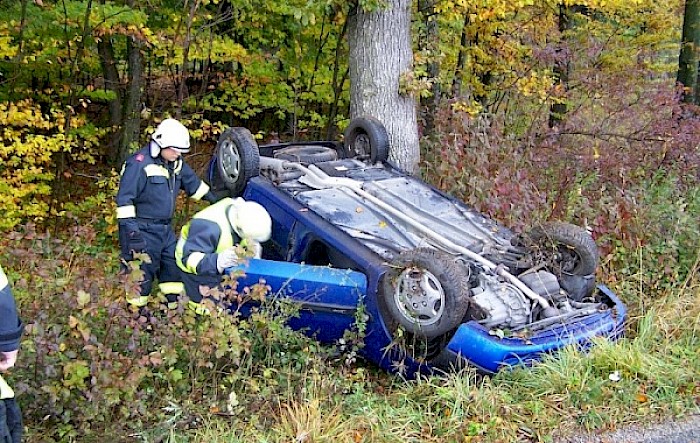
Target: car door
x,y
327,297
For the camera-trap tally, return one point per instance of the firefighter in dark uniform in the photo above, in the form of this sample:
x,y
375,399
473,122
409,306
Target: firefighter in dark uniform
x,y
206,247
150,182
11,328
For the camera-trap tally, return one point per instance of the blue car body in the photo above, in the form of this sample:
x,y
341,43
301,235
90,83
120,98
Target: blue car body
x,y
349,278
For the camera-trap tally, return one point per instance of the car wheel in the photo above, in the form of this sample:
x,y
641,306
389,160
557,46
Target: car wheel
x,y
238,159
307,154
366,139
216,183
567,249
427,292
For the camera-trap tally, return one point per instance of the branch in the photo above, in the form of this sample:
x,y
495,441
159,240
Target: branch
x,y
611,135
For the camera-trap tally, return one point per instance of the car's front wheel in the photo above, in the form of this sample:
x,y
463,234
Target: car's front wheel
x,y
238,159
426,292
567,251
565,248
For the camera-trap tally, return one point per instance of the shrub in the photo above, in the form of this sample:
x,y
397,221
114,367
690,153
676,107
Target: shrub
x,y
29,142
90,364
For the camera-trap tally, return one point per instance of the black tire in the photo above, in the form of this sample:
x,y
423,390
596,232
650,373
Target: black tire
x,y
308,154
238,159
366,139
216,183
426,314
568,249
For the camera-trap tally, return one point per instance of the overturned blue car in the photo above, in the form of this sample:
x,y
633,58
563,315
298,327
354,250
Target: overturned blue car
x,y
438,285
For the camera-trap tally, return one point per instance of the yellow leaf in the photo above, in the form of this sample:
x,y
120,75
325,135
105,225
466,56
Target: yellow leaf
x,y
83,298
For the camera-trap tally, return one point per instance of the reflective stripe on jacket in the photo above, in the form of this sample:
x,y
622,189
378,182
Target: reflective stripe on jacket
x,y
208,233
148,187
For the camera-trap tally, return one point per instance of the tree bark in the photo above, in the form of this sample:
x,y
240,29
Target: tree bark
x,y
380,51
131,127
113,83
688,57
20,44
338,82
561,67
461,65
430,104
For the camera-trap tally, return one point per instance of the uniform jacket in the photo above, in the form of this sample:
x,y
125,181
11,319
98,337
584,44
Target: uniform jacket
x,y
208,233
149,186
11,326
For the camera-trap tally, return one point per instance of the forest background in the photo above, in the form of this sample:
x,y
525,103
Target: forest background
x,y
528,110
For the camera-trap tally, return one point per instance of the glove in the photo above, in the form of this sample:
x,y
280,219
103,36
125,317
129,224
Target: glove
x,y
226,259
136,242
8,359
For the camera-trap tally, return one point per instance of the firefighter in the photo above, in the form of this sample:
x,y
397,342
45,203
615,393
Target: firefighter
x,y
11,328
206,247
150,182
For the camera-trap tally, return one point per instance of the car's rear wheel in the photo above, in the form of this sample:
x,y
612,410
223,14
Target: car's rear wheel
x,y
426,292
366,139
238,159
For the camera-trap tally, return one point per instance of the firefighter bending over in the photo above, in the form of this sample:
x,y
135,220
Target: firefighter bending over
x,y
206,247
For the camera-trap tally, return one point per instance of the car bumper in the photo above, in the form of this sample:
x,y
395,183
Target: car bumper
x,y
489,353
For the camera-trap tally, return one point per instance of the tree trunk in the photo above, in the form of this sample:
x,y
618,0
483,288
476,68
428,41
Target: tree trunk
x,y
561,65
430,104
131,127
380,51
113,83
461,65
20,44
688,57
338,83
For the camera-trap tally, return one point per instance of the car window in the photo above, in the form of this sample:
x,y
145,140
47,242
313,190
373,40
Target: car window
x,y
319,253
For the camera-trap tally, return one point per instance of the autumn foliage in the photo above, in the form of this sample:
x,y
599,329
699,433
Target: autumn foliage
x,y
529,110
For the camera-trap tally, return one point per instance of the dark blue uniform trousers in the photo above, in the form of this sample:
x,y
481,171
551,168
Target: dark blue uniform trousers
x,y
160,246
10,421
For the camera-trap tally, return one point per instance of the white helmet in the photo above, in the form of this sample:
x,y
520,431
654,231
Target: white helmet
x,y
170,133
251,220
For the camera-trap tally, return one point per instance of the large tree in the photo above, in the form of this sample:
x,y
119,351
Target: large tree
x,y
380,53
688,59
